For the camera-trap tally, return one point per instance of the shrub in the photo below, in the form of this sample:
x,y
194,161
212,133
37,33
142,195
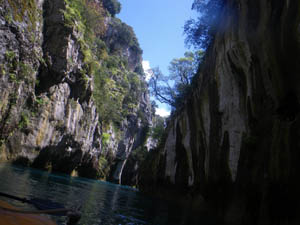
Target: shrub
x,y
105,138
23,11
123,35
200,32
112,6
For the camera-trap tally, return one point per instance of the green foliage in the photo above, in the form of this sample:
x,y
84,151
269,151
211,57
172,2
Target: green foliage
x,y
172,89
87,17
24,121
26,73
8,17
40,101
139,154
108,96
112,6
116,91
105,138
103,167
2,70
139,70
16,69
37,82
11,60
159,128
13,77
93,18
25,69
104,164
183,69
100,49
72,14
13,97
123,35
22,10
10,56
133,92
200,32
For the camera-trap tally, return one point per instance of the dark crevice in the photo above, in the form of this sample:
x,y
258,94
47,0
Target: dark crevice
x,y
63,157
182,169
52,69
289,108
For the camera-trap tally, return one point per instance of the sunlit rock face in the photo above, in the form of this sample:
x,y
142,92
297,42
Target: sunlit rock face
x,y
48,118
134,135
47,114
235,141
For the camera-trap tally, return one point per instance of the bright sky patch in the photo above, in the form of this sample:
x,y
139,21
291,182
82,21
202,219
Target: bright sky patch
x,y
162,112
146,67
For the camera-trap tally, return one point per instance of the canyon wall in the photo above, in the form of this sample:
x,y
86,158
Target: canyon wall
x,y
235,143
49,117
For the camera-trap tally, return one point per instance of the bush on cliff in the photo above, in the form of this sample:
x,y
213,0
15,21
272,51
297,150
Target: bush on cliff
x,y
200,32
122,35
112,6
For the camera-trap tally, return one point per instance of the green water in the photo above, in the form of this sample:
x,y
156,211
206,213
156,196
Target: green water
x,y
101,202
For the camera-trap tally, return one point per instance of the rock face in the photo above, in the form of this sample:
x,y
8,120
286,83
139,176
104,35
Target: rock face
x,y
48,117
235,142
133,129
134,136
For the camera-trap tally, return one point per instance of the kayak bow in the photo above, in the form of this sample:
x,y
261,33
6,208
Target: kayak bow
x,y
10,215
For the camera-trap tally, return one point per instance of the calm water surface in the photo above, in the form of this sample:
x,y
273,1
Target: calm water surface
x,y
101,202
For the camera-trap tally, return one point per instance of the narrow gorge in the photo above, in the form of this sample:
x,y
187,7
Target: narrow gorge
x,y
74,99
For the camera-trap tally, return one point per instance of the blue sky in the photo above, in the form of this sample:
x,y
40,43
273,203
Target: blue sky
x,y
158,25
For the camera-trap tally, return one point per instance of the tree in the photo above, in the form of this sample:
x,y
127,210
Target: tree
x,y
183,69
93,16
160,87
121,35
171,89
199,32
112,6
158,129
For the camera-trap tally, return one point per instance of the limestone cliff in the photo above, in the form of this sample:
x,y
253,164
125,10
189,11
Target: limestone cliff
x,y
50,58
235,142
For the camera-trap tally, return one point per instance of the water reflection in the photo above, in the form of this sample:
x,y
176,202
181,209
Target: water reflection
x,y
101,202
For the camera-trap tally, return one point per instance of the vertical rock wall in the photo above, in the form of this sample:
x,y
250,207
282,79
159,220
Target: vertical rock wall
x,y
235,141
52,119
48,117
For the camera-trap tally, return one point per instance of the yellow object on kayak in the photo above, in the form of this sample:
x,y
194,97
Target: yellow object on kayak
x,y
16,218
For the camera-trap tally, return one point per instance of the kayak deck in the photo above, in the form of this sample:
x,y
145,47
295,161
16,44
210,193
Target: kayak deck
x,y
13,218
